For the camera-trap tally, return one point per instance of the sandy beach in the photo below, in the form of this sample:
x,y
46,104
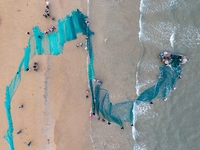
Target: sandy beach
x,y
55,113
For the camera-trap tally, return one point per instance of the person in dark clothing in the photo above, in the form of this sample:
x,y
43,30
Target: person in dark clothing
x,y
29,144
21,106
20,131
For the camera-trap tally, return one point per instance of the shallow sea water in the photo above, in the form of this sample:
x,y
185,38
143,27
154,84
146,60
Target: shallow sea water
x,y
129,66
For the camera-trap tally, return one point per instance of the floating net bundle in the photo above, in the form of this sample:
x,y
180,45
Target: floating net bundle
x,y
51,44
123,111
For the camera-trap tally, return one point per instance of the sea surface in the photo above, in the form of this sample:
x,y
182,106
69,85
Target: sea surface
x,y
129,35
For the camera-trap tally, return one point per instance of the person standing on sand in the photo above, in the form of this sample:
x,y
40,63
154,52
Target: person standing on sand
x,y
94,80
48,14
54,28
45,15
28,69
21,106
90,115
99,82
48,4
45,32
27,32
20,131
29,144
87,91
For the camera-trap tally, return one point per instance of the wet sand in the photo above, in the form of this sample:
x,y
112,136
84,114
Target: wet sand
x,y
55,113
117,52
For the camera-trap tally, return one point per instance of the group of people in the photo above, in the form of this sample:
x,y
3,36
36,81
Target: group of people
x,y
165,57
79,44
51,30
46,15
46,11
93,114
103,120
35,68
98,81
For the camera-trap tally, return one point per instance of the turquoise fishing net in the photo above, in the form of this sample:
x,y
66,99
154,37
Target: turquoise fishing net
x,y
123,111
53,44
68,27
164,85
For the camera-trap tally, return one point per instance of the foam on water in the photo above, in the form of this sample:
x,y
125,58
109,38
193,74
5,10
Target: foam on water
x,y
152,6
169,25
153,29
172,40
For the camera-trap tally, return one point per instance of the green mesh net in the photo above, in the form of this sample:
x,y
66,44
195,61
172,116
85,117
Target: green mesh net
x,y
123,111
